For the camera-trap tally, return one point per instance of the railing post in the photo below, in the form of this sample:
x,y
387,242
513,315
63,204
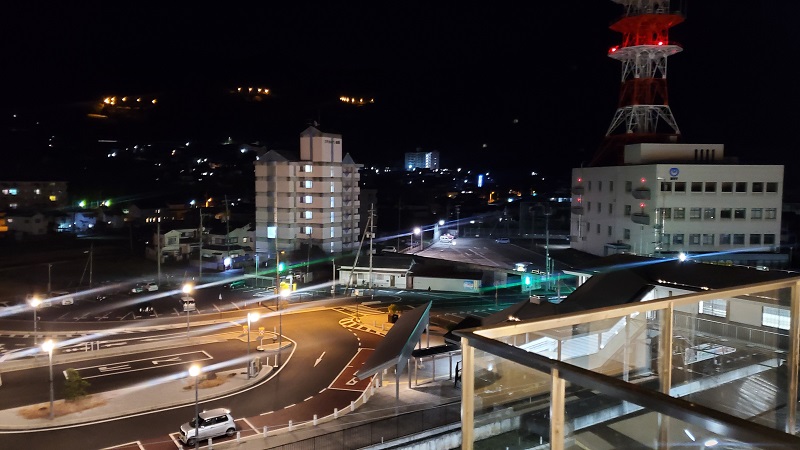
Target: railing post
x,y
467,395
557,406
792,363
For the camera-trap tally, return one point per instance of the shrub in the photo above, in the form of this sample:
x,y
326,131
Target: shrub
x,y
74,386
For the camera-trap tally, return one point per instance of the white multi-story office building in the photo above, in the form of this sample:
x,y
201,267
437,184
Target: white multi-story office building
x,y
421,160
311,200
671,198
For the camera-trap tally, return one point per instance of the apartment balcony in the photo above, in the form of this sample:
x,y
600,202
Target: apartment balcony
x,y
641,218
578,189
577,210
641,193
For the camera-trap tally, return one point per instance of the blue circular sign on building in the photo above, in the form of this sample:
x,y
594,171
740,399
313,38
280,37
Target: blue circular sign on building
x,y
673,172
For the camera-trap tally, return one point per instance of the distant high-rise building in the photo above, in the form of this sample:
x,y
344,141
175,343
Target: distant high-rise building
x,y
422,160
312,200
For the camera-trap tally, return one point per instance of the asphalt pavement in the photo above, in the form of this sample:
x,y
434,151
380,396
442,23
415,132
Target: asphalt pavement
x,y
374,403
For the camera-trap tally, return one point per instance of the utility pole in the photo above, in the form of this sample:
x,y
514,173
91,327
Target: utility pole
x,y
49,290
158,245
91,262
200,275
458,219
227,234
371,228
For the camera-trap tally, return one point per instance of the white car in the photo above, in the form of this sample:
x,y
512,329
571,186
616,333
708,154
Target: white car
x,y
502,240
213,423
145,287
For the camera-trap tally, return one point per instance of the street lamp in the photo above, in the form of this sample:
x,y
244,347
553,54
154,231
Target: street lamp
x,y
284,295
251,317
48,346
187,289
417,231
194,371
35,302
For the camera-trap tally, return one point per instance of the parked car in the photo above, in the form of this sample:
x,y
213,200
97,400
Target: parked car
x,y
212,423
145,287
188,303
389,249
502,240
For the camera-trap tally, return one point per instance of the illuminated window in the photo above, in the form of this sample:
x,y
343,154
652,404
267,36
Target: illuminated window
x,y
307,214
775,317
307,230
37,191
307,184
53,198
307,199
709,213
717,308
307,168
679,213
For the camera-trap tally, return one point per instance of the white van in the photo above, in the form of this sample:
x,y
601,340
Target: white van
x,y
188,304
213,423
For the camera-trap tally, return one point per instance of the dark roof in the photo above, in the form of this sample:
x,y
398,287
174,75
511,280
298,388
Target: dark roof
x,y
391,261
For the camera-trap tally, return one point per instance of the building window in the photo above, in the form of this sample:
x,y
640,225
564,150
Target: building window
x,y
772,187
679,213
307,184
666,213
627,210
711,186
694,239
775,317
307,215
588,206
713,307
739,213
725,239
609,230
611,186
333,216
598,228
708,239
758,186
709,213
694,213
53,198
333,232
626,234
756,214
628,186
599,207
755,239
727,186
769,239
332,190
680,186
665,239
666,186
770,213
307,168
600,186
589,186
741,186
610,209
308,199
738,239
697,186
726,213
307,230
333,202
677,239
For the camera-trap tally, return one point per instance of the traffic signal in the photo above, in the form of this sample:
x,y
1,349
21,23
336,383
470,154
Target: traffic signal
x,y
280,267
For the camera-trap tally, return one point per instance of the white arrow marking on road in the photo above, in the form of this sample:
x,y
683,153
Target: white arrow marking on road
x,y
319,360
352,381
175,359
113,368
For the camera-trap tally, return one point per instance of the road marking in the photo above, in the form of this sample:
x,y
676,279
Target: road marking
x,y
309,398
319,360
161,361
126,315
128,444
352,382
235,305
249,424
287,407
104,369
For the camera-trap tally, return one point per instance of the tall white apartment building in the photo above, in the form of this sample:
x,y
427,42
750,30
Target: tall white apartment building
x,y
421,160
310,200
671,198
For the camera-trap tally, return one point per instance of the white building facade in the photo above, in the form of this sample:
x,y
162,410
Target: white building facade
x,y
313,200
671,198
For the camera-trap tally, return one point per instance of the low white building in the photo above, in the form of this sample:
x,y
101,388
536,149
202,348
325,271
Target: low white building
x,y
671,198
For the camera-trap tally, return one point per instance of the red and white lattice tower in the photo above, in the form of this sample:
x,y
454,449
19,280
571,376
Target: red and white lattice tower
x,y
643,114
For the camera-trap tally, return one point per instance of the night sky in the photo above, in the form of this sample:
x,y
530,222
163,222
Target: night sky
x,y
503,86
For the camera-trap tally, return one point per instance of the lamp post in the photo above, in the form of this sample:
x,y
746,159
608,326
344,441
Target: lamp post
x,y
251,317
35,302
187,289
48,346
416,231
194,371
284,295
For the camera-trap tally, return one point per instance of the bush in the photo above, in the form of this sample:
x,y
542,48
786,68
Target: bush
x,y
74,386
